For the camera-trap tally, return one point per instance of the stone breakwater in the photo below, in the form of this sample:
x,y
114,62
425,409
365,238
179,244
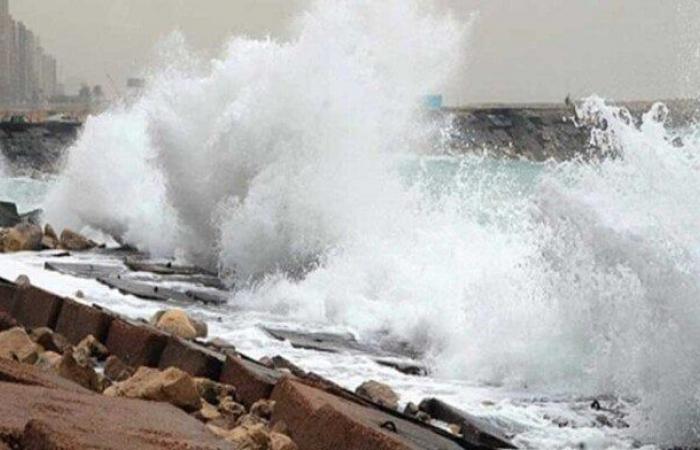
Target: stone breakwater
x,y
77,375
29,147
538,132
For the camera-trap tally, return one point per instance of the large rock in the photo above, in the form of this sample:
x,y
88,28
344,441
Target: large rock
x,y
92,348
171,385
212,391
117,370
80,371
176,322
50,240
317,419
49,340
39,418
70,240
378,393
9,216
22,237
16,344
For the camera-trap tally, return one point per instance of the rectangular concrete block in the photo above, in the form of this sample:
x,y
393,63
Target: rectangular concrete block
x,y
253,381
7,296
77,320
34,307
135,343
195,359
319,420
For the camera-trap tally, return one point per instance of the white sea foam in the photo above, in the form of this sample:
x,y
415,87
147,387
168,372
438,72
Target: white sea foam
x,y
278,163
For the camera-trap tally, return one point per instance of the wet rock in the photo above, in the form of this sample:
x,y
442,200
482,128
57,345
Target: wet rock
x,y
50,232
200,327
473,430
9,215
116,370
280,441
282,363
267,362
23,281
49,240
21,237
48,360
92,348
72,241
378,393
15,344
413,411
176,322
171,385
80,371
49,340
214,392
263,409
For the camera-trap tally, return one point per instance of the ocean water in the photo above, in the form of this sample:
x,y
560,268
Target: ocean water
x,y
305,173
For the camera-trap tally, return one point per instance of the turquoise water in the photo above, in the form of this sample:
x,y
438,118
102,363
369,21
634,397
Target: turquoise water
x,y
27,193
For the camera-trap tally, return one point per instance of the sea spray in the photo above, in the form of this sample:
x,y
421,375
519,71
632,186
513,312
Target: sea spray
x,y
283,163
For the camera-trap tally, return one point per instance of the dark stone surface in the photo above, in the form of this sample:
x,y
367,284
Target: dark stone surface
x,y
334,343
135,343
475,431
35,147
9,216
77,320
195,359
318,420
7,296
253,380
92,271
154,292
34,307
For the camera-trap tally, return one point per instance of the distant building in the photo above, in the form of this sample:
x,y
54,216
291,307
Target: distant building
x,y
28,75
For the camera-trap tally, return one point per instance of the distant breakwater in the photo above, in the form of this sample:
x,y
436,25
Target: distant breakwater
x,y
538,132
36,147
535,132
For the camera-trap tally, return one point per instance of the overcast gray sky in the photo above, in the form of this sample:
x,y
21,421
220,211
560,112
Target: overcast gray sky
x,y
521,50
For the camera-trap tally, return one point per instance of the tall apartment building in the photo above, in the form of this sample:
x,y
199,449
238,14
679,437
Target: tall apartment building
x,y
28,75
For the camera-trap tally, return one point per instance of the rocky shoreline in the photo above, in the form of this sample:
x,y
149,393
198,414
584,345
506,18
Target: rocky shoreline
x,y
77,375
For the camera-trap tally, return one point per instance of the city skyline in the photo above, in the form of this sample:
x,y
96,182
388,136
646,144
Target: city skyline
x,y
525,51
28,74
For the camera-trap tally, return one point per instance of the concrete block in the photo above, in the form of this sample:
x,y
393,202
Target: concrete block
x,y
77,320
7,296
253,381
135,343
195,359
34,307
318,420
